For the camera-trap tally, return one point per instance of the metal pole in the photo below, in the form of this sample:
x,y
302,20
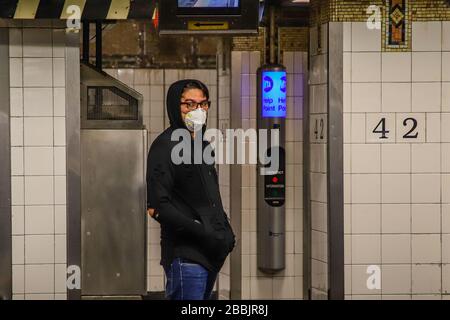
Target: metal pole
x,y
98,45
335,164
272,35
73,169
86,26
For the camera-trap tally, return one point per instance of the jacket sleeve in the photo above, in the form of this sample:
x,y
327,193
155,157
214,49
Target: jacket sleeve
x,y
160,182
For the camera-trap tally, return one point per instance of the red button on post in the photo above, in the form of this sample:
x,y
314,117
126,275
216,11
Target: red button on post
x,y
274,179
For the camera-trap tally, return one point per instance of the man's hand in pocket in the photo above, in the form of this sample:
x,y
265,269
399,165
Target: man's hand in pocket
x,y
151,212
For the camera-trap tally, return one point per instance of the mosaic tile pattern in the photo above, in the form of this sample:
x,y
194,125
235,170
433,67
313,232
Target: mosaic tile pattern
x,y
396,17
397,26
356,10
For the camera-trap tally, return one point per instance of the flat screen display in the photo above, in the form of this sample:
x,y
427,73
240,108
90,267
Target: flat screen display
x,y
273,91
208,3
208,16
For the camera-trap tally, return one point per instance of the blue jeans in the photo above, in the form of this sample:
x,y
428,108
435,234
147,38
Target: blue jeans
x,y
188,281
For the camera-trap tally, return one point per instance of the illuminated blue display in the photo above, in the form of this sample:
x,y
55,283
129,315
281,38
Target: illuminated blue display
x,y
273,99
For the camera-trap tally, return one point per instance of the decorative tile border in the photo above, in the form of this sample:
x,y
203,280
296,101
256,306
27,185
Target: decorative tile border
x,y
397,26
356,10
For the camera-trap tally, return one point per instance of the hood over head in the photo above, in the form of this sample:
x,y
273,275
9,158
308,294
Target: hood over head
x,y
173,102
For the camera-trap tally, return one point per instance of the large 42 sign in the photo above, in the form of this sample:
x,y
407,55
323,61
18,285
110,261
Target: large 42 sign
x,y
411,123
396,128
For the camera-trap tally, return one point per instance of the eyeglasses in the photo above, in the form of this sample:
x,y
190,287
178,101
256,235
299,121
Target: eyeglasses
x,y
192,105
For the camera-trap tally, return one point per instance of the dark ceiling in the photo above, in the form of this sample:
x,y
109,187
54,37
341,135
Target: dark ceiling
x,y
288,13
288,3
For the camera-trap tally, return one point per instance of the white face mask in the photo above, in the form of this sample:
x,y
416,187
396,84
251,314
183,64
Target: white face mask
x,y
195,119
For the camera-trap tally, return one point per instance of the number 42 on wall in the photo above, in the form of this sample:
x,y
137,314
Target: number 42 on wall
x,y
405,129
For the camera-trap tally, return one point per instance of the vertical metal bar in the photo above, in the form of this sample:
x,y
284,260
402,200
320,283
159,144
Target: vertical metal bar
x,y
86,33
5,171
307,184
73,157
98,44
335,162
235,180
219,62
272,35
141,43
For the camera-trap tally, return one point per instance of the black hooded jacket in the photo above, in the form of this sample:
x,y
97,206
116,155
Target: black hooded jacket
x,y
186,197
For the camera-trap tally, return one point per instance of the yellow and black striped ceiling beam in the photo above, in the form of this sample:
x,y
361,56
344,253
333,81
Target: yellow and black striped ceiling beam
x,y
89,9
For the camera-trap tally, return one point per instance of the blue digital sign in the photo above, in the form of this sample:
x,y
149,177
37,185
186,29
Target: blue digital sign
x,y
273,89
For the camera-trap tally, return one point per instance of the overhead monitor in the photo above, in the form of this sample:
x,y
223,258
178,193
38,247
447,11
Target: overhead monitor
x,y
209,16
208,7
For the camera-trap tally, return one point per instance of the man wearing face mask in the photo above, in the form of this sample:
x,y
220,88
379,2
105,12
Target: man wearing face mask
x,y
196,236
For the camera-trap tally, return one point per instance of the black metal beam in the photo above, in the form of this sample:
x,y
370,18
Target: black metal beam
x,y
8,8
49,9
92,10
98,44
86,34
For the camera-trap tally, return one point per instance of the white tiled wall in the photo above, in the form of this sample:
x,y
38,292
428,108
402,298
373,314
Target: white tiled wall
x,y
318,86
38,158
291,285
253,287
287,284
153,85
396,203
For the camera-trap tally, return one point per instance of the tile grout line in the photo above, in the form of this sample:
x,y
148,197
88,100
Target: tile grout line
x,y
351,154
23,155
53,151
440,160
381,174
410,172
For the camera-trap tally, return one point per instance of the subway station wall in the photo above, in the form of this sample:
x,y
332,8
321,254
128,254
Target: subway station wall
x,y
397,156
38,157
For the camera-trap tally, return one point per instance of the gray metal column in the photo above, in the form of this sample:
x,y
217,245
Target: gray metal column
x,y
235,181
5,171
335,162
306,184
73,156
